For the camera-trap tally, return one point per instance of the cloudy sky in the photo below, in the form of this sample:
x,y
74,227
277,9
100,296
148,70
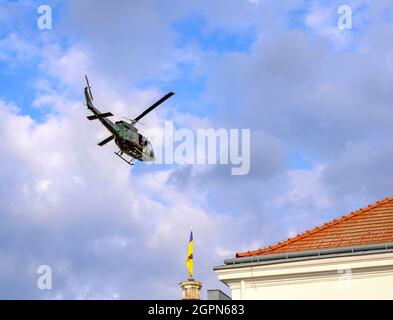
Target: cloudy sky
x,y
318,101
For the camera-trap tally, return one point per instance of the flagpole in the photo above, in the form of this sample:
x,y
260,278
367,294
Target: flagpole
x,y
191,288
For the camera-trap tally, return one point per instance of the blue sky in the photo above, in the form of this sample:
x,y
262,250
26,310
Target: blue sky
x,y
317,100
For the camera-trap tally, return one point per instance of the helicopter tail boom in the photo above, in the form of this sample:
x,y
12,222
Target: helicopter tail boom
x,y
89,101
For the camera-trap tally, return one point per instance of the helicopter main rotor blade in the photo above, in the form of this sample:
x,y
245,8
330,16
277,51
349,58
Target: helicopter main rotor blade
x,y
152,107
106,141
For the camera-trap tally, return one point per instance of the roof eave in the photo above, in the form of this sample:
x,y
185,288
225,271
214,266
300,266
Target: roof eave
x,y
305,255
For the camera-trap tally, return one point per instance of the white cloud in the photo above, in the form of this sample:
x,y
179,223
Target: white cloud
x,y
16,51
323,21
305,186
68,67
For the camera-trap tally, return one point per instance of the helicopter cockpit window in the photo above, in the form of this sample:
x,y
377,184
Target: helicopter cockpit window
x,y
143,141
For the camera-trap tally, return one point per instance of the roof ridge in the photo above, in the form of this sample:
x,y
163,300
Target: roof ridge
x,y
316,229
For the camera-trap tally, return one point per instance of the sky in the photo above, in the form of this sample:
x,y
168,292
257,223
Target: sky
x,y
317,100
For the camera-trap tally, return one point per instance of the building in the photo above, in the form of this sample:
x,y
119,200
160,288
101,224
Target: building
x,y
347,258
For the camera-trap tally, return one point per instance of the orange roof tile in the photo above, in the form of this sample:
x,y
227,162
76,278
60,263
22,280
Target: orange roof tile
x,y
370,225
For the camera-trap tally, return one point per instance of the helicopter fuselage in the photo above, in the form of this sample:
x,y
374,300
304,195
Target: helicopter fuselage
x,y
132,143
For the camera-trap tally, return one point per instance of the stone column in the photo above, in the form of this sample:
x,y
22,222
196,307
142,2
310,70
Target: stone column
x,y
191,289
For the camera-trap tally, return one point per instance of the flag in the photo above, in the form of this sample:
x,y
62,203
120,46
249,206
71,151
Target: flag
x,y
190,256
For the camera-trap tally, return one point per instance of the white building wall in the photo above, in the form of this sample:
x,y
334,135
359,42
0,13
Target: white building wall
x,y
355,277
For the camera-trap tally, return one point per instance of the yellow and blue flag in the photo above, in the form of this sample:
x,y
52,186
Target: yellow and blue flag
x,y
190,256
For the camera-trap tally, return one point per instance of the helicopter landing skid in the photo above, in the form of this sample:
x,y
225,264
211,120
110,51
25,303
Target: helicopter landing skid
x,y
130,162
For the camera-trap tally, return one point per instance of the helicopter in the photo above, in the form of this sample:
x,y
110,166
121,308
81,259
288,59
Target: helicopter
x,y
125,134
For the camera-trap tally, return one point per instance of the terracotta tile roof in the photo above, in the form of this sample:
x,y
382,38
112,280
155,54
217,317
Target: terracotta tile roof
x,y
370,225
